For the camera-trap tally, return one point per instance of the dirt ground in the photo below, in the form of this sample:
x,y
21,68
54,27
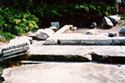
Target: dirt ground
x,y
99,29
2,43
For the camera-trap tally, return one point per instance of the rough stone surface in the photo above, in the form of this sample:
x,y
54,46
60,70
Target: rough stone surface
x,y
107,22
112,54
63,29
112,34
42,34
116,54
122,31
118,41
53,28
65,73
93,24
90,32
60,53
80,39
73,28
114,18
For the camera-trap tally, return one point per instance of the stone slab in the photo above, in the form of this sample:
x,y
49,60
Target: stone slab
x,y
63,29
80,39
65,73
122,30
110,54
60,53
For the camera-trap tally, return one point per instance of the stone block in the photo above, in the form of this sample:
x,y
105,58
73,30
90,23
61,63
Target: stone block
x,y
118,41
114,18
122,31
107,22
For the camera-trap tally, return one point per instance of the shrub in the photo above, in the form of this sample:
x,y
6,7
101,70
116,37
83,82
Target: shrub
x,y
6,36
76,12
17,22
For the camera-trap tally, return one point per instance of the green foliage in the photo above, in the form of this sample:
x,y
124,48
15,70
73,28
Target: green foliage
x,y
122,17
19,16
6,36
78,12
17,22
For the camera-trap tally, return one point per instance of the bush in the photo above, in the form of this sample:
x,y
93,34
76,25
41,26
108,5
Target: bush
x,y
5,37
76,12
17,22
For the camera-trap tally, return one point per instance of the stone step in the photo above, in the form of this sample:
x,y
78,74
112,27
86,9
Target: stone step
x,y
59,53
108,54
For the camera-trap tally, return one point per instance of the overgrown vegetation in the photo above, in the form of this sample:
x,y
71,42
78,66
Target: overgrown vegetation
x,y
14,22
20,16
6,36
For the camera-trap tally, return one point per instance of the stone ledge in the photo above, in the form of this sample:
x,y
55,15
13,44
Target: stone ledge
x,y
60,53
108,54
85,40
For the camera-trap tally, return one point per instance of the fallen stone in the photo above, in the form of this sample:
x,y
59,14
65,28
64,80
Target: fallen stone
x,y
93,24
90,32
107,22
122,31
112,34
63,29
80,39
96,42
55,24
20,40
73,28
86,42
50,42
114,18
108,54
43,34
77,53
65,73
16,47
67,38
53,28
118,41
60,53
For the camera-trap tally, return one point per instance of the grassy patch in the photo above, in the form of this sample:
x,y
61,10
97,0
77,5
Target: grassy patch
x,y
123,17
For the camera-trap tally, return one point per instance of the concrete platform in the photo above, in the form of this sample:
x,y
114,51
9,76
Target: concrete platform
x,y
65,73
